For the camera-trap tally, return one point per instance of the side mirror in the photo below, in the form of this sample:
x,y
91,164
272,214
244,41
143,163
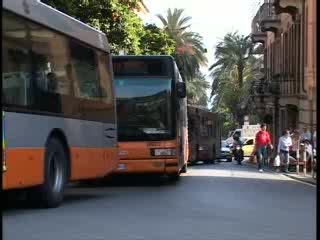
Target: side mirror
x,y
181,90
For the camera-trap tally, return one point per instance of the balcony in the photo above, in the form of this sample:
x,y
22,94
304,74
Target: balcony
x,y
269,20
265,20
257,36
258,49
264,92
287,6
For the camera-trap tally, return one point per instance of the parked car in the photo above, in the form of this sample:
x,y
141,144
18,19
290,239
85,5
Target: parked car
x,y
225,152
248,146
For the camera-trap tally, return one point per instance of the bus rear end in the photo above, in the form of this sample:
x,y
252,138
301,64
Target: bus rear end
x,y
151,116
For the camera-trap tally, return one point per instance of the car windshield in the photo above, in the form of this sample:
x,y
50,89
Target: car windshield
x,y
144,108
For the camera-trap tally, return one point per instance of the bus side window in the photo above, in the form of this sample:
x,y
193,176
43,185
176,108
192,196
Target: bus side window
x,y
49,58
105,77
85,69
16,67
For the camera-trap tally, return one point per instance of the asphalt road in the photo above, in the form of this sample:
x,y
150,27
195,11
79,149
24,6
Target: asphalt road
x,y
222,201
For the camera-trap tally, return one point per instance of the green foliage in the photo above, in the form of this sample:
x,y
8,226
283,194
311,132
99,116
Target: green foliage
x,y
232,75
156,42
190,50
115,18
196,90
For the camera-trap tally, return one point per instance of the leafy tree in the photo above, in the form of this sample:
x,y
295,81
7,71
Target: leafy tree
x,y
116,18
156,42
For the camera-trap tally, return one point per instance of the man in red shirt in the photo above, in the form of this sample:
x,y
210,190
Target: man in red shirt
x,y
262,141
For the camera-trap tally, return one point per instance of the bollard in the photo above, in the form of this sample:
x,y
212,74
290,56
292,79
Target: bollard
x,y
304,158
312,170
298,160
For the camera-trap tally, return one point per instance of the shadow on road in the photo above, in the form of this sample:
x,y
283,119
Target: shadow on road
x,y
16,200
132,180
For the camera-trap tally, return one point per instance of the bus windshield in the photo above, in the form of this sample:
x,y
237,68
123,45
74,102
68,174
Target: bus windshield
x,y
144,108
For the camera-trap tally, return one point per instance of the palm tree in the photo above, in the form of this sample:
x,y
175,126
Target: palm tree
x,y
232,53
190,51
232,74
196,90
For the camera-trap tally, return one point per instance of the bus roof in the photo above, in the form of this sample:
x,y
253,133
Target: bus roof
x,y
45,15
138,65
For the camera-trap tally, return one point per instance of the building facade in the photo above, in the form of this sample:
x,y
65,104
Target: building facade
x,y
286,95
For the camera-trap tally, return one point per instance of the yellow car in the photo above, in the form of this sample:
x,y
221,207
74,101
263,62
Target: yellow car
x,y
248,145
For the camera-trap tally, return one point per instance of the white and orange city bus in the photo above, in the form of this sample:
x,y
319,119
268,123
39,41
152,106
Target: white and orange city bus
x,y
151,115
59,117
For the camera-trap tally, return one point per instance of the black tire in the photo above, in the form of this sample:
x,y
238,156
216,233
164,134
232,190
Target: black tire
x,y
229,159
184,169
50,193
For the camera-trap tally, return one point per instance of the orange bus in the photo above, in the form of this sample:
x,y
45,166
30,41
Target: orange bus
x,y
59,117
151,115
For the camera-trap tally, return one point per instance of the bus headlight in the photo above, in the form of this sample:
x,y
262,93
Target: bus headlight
x,y
163,152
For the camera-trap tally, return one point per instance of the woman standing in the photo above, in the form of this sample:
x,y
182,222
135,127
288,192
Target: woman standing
x,y
285,142
296,139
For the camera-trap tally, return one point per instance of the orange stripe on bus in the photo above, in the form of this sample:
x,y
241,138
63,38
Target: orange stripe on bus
x,y
89,163
24,168
172,170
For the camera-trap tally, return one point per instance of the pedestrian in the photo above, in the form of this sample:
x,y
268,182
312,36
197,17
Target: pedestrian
x,y
315,139
306,134
309,151
285,142
262,141
296,139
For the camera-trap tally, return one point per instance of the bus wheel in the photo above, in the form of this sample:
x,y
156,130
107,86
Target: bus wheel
x,y
184,169
50,193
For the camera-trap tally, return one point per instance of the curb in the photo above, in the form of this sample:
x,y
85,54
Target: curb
x,y
301,179
304,180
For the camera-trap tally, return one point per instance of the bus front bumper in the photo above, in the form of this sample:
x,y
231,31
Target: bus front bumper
x,y
148,166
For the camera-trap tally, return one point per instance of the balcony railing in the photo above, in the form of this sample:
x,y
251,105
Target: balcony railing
x,y
265,88
256,32
291,7
265,20
269,20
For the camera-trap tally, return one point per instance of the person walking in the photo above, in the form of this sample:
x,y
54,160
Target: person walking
x,y
262,141
306,134
296,139
285,142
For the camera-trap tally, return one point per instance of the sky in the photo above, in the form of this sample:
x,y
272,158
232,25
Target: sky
x,y
211,18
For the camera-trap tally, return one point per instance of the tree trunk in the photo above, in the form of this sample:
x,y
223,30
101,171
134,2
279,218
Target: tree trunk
x,y
240,74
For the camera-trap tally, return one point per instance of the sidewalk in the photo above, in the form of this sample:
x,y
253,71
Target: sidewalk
x,y
307,179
